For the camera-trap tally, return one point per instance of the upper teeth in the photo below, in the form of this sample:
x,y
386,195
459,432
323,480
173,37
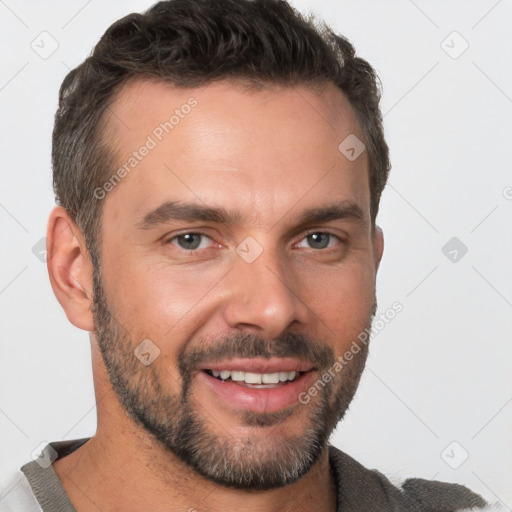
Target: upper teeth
x,y
255,378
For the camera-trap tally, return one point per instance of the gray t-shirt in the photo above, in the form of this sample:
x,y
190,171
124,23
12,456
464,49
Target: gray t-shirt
x,y
37,488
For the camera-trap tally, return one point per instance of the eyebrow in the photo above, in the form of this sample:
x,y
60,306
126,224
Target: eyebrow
x,y
342,210
177,210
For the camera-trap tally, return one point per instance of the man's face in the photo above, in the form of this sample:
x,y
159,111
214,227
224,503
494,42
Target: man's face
x,y
240,244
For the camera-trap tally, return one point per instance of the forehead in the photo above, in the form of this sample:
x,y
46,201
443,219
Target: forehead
x,y
262,150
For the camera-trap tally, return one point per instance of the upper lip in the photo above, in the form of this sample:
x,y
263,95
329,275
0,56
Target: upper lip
x,y
260,365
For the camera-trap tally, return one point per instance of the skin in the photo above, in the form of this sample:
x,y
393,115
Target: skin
x,y
268,155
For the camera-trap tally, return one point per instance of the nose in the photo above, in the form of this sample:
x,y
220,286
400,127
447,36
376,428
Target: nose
x,y
263,297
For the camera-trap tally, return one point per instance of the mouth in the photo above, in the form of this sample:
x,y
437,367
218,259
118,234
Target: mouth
x,y
256,385
255,380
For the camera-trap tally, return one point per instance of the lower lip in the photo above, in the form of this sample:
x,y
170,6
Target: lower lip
x,y
258,399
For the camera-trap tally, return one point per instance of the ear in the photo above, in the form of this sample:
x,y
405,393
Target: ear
x,y
378,246
70,268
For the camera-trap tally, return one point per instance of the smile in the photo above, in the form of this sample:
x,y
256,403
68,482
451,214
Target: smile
x,y
255,380
256,384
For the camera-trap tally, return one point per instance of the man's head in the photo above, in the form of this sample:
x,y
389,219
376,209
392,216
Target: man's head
x,y
218,235
194,43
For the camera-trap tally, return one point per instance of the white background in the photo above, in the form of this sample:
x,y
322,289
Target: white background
x,y
441,370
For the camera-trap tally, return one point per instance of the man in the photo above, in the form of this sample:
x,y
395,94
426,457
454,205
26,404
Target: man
x,y
218,168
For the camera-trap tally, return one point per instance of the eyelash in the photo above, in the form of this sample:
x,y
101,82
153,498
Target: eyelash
x,y
312,232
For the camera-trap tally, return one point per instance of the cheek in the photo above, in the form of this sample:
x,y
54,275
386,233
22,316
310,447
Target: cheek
x,y
156,299
343,298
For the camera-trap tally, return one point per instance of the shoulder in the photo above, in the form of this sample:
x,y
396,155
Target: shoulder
x,y
433,495
16,494
360,488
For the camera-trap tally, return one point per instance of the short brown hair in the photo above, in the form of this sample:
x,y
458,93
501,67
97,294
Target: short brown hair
x,y
191,43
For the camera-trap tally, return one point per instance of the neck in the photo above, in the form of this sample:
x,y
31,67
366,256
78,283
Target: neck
x,y
131,473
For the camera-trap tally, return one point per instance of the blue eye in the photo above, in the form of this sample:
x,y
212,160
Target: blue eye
x,y
320,240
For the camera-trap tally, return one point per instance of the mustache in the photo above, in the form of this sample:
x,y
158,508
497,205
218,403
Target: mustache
x,y
245,345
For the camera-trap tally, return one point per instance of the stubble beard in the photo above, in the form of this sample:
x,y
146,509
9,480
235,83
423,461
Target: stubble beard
x,y
266,459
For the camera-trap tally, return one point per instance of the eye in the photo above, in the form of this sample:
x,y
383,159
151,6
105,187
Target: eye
x,y
320,240
191,241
